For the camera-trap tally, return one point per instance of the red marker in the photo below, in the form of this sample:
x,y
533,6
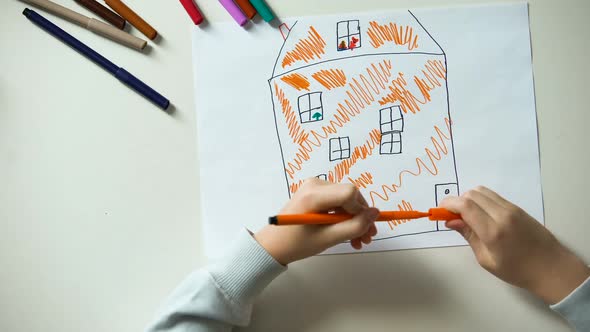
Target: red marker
x,y
192,10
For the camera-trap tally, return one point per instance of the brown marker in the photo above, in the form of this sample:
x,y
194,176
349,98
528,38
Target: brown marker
x,y
132,18
103,12
91,24
246,7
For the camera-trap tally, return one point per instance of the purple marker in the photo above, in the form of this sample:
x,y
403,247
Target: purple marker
x,y
234,11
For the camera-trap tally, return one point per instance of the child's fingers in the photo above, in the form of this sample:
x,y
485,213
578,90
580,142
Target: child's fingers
x,y
356,243
326,197
462,228
471,213
493,195
489,205
362,199
351,229
366,238
373,230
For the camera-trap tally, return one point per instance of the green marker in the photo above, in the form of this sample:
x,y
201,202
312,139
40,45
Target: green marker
x,y
263,10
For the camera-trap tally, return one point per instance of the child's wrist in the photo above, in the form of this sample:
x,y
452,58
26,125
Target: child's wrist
x,y
558,280
272,243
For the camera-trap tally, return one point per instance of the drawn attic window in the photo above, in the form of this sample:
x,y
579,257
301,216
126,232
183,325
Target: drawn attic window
x,y
310,107
391,143
391,119
339,148
349,35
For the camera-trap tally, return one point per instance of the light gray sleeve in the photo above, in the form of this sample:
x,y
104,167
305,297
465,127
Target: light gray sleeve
x,y
220,296
575,307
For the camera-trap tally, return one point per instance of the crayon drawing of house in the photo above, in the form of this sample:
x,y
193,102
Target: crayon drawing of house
x,y
365,101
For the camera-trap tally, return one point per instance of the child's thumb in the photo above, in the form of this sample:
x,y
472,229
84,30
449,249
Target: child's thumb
x,y
353,228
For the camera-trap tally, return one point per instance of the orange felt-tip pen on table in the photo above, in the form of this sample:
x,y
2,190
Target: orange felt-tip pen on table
x,y
434,214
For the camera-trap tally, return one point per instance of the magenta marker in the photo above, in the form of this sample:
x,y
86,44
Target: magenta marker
x,y
234,11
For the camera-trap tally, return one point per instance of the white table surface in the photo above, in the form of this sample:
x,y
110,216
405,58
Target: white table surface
x,y
99,195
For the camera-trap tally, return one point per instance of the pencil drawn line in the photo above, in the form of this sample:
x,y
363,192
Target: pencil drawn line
x,y
361,152
359,97
411,234
440,150
351,57
306,49
274,114
425,30
281,49
295,131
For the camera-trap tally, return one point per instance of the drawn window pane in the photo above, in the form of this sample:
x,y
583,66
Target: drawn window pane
x,y
391,143
348,35
355,40
342,29
310,107
339,148
391,119
353,27
316,100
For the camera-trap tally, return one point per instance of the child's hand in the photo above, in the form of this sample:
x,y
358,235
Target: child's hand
x,y
290,243
515,247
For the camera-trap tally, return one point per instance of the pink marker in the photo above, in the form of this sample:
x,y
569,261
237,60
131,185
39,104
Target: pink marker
x,y
234,11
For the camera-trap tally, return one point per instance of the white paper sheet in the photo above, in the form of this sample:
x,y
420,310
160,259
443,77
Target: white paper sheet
x,y
369,99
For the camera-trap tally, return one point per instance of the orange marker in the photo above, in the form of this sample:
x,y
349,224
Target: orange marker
x,y
132,18
434,214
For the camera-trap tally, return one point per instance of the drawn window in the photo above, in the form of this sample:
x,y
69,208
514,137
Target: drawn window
x,y
349,35
391,119
310,107
339,148
391,143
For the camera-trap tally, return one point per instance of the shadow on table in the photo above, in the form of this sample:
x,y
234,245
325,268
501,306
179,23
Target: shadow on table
x,y
370,284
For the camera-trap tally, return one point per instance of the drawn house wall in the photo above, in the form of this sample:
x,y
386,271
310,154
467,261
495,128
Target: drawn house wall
x,y
366,102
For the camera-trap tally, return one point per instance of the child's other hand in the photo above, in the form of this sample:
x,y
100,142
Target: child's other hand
x,y
290,243
515,247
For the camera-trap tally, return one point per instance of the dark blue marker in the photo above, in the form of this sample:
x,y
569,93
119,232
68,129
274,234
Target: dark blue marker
x,y
120,73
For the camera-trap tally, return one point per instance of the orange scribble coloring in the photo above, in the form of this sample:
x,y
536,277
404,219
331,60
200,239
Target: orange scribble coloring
x,y
331,78
293,187
306,49
295,131
297,81
362,152
434,73
404,206
362,181
400,35
440,149
360,95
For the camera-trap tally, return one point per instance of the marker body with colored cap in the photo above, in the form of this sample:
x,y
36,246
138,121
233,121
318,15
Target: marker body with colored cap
x,y
234,11
91,24
263,9
434,214
103,12
246,7
193,11
120,73
132,17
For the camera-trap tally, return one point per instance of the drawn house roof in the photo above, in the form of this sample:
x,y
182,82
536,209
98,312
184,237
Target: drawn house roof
x,y
330,40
